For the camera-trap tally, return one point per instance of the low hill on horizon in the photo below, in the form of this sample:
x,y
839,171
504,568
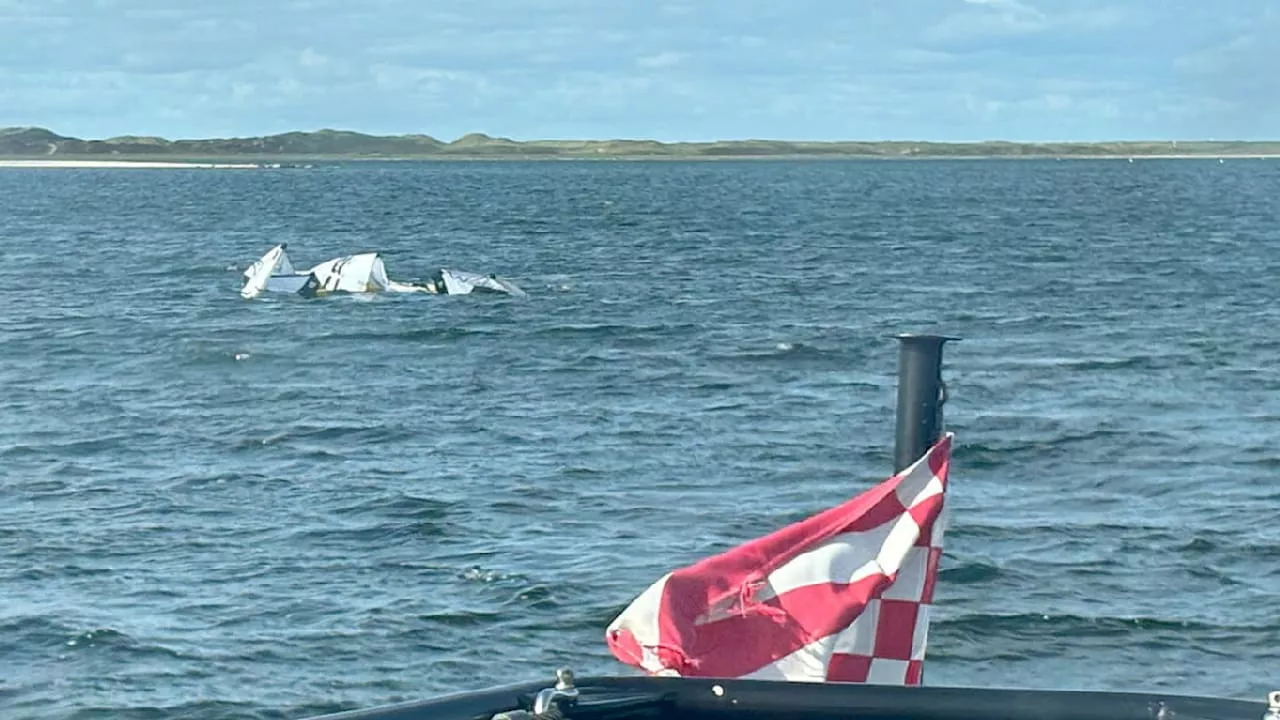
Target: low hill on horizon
x,y
37,142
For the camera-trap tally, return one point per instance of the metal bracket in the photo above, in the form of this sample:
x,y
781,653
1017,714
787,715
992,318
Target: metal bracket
x,y
550,702
564,695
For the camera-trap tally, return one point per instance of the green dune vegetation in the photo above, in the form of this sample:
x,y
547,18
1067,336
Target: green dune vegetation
x,y
33,143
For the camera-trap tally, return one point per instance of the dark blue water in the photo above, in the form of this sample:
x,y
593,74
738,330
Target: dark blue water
x,y
214,507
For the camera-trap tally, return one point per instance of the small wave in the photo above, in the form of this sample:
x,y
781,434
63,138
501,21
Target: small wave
x,y
373,534
976,637
40,489
1028,626
1201,546
73,448
354,435
461,618
580,471
971,573
237,479
794,352
196,709
30,633
478,574
984,455
715,386
619,330
1219,577
33,630
416,335
102,637
536,597
400,505
1041,526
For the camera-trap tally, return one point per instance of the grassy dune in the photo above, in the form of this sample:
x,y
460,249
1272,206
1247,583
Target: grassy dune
x,y
39,143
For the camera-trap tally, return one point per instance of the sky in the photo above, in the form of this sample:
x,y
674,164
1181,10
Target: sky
x,y
943,70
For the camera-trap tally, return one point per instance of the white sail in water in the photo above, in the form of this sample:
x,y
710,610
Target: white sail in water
x,y
273,272
351,273
359,273
275,261
461,282
363,273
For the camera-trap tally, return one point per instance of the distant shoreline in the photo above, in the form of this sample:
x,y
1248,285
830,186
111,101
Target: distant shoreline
x,y
31,144
307,161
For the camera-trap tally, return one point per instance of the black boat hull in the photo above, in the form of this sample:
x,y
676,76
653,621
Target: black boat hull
x,y
618,698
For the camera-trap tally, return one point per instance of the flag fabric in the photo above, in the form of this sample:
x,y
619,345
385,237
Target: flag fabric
x,y
842,596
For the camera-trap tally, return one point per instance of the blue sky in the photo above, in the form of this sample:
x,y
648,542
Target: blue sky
x,y
662,69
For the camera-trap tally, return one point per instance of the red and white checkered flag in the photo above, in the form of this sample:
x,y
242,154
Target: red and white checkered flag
x,y
842,596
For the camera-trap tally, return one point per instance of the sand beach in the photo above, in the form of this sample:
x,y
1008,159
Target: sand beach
x,y
133,164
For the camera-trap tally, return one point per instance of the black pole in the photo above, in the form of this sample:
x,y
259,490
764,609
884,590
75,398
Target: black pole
x,y
921,394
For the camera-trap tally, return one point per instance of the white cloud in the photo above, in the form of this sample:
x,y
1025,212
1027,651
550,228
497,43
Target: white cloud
x,y
1009,6
1056,101
309,58
661,60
